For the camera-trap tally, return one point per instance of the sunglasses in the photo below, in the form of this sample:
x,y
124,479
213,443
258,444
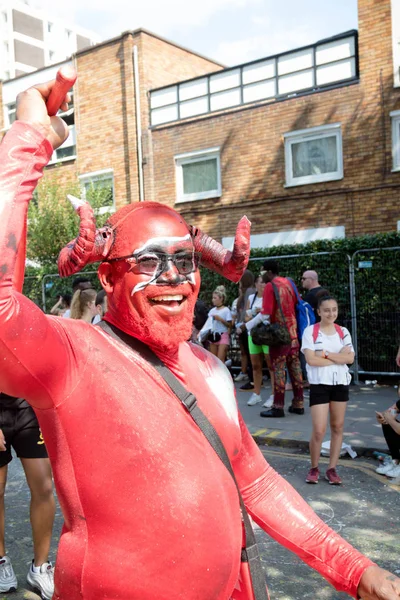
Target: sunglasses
x,y
155,263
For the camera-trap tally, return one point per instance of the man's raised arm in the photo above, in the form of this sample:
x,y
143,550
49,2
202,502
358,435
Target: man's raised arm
x,y
24,152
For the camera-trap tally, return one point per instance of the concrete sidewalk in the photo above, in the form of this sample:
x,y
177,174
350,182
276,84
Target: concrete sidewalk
x,y
361,429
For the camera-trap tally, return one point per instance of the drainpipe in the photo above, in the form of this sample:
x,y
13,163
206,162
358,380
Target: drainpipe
x,y
138,122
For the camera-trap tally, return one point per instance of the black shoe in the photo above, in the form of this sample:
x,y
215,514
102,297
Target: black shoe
x,y
296,411
247,387
275,413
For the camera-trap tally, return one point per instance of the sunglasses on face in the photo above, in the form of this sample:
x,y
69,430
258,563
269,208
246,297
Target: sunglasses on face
x,y
155,263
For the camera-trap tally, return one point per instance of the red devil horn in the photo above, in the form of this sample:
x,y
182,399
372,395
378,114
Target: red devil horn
x,y
91,244
217,258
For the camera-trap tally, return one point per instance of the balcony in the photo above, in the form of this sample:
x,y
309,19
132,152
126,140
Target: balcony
x,y
328,63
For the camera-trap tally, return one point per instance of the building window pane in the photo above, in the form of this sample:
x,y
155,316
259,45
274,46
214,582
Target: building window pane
x,y
395,116
198,175
313,155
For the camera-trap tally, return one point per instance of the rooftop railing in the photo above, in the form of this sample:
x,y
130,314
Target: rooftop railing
x,y
327,63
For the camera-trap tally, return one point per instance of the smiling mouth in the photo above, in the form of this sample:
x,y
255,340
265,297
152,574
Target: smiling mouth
x,y
168,300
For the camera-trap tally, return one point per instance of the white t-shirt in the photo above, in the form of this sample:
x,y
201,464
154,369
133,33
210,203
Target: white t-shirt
x,y
332,374
225,314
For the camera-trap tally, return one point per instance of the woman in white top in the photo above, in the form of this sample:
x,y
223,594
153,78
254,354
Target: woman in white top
x,y
218,325
328,350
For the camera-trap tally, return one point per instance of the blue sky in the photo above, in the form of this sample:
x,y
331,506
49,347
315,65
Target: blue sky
x,y
229,31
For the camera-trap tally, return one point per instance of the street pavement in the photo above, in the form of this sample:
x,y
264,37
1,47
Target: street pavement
x,y
364,510
361,429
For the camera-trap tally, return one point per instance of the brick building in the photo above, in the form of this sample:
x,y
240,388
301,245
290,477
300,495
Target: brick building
x,y
307,143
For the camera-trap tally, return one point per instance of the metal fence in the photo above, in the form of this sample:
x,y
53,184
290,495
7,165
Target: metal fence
x,y
366,285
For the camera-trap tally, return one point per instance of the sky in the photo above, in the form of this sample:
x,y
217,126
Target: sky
x,y
228,31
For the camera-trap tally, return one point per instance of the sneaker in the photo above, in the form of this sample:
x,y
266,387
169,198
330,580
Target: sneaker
x,y
313,475
254,399
386,467
296,411
394,471
42,581
268,403
8,580
247,387
273,413
333,477
241,377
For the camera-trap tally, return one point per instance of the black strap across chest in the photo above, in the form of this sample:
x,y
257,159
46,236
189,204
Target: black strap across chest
x,y
250,552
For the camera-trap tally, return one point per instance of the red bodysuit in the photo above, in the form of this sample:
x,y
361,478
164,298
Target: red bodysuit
x,y
150,511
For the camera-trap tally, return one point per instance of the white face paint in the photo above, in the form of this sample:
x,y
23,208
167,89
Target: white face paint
x,y
162,242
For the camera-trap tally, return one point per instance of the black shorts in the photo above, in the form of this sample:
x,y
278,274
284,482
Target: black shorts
x,y
323,394
22,432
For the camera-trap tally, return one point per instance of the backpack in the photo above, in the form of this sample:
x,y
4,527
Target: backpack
x,y
304,313
316,328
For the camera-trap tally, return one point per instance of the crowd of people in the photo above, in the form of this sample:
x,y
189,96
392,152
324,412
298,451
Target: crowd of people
x,y
149,504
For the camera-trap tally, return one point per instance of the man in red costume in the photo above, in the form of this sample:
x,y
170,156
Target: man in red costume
x,y
151,513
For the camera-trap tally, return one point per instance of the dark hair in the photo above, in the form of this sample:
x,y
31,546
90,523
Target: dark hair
x,y
271,265
100,297
323,296
247,279
67,299
81,283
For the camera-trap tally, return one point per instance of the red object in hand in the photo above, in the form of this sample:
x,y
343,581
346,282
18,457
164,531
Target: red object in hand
x,y
65,79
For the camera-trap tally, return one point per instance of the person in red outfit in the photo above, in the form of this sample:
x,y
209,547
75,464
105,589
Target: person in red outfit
x,y
283,356
151,512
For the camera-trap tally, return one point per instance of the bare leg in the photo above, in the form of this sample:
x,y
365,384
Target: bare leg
x,y
256,362
337,412
213,348
43,506
319,416
222,352
3,481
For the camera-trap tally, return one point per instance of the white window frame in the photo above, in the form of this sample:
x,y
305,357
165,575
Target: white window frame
x,y
192,157
104,174
54,159
304,135
395,118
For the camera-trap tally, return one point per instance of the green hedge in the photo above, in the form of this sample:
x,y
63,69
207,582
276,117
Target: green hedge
x,y
377,288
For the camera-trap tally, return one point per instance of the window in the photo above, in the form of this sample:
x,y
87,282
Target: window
x,y
198,175
98,189
68,149
51,55
395,116
313,155
10,113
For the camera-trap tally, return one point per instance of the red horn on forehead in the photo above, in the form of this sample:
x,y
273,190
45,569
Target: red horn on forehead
x,y
217,258
91,244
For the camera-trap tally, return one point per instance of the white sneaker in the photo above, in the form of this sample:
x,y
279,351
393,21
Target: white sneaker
x,y
386,467
241,377
8,580
268,403
43,581
394,471
254,399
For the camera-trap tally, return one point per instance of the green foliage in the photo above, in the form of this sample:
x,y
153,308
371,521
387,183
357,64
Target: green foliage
x,y
52,224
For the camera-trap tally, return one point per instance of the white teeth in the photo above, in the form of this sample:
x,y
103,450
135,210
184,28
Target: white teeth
x,y
176,298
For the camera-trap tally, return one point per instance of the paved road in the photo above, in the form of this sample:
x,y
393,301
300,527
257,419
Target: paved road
x,y
365,511
361,430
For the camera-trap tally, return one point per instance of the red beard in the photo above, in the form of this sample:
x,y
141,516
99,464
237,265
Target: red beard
x,y
160,325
